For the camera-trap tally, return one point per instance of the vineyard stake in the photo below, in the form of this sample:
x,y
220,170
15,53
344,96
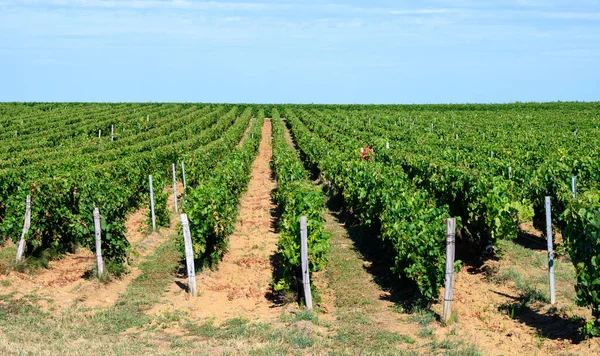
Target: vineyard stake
x,y
574,186
112,132
152,203
550,250
189,254
98,242
175,188
26,225
99,133
509,172
183,174
304,259
450,247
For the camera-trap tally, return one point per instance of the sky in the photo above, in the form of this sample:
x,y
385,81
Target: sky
x,y
312,51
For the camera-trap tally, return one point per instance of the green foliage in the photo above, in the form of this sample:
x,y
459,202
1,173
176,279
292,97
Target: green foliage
x,y
74,171
212,204
162,213
582,234
410,221
296,197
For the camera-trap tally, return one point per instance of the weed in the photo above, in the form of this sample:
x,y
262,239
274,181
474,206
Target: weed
x,y
423,316
307,315
426,333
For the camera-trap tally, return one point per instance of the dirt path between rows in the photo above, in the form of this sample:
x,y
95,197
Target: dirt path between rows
x,y
241,287
63,284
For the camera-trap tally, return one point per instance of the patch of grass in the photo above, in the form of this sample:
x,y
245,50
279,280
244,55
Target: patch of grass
x,y
171,317
235,327
205,329
307,315
11,307
426,333
453,347
422,316
143,292
39,260
452,320
354,317
350,337
527,267
388,337
7,255
469,350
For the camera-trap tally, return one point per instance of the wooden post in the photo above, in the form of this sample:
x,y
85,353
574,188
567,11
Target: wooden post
x,y
175,188
112,132
387,145
492,154
152,203
98,242
550,250
99,133
183,174
304,260
450,247
26,225
189,254
574,186
509,172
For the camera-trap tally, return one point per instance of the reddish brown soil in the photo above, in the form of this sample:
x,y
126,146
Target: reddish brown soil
x,y
242,284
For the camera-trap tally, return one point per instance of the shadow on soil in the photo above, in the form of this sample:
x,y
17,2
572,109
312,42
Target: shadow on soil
x,y
531,241
272,295
550,324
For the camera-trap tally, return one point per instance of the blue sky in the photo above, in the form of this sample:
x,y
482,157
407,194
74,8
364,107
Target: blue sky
x,y
378,51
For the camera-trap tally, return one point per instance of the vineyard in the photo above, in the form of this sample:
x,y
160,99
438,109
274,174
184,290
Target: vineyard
x,y
396,172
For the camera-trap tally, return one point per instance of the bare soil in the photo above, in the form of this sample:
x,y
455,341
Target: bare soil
x,y
241,287
493,315
246,132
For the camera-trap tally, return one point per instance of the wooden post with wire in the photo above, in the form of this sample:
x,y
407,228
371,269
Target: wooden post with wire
x,y
550,250
450,249
175,189
152,203
304,261
97,228
26,225
189,255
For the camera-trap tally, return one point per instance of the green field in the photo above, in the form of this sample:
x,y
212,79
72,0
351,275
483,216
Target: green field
x,y
394,172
